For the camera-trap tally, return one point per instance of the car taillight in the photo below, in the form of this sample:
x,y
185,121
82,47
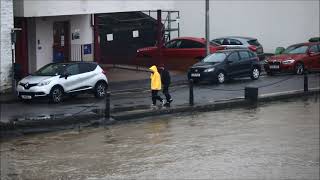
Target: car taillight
x,y
253,48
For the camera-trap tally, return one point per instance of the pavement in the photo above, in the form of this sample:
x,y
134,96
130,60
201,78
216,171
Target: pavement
x,y
131,99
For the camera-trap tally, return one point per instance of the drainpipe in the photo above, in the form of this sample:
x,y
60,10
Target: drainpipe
x,y
207,28
159,36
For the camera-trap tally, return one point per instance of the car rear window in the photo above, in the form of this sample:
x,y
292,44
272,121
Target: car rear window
x,y
254,42
87,67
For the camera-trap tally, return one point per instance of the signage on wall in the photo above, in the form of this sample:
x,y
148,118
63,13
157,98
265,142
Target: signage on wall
x,y
109,37
76,34
87,49
135,33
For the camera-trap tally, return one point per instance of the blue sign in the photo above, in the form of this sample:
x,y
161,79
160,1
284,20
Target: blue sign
x,y
87,49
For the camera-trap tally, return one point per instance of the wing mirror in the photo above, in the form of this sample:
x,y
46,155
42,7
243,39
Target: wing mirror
x,y
65,75
311,53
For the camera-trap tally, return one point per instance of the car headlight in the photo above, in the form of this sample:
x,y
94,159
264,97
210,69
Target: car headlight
x,y
289,61
209,70
43,83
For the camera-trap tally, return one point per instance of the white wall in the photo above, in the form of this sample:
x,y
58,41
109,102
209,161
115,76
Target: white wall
x,y
37,8
44,34
274,23
6,20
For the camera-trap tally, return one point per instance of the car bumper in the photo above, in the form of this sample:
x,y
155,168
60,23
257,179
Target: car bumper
x,y
203,76
282,68
33,92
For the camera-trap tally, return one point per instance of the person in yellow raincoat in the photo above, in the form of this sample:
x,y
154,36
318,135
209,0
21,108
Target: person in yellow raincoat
x,y
155,85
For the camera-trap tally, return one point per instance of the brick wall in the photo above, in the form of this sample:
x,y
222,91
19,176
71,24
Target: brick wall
x,y
6,24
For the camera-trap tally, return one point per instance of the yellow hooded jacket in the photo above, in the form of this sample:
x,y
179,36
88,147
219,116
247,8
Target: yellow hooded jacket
x,y
155,79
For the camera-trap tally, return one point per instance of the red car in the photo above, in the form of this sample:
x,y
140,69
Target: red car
x,y
179,53
296,58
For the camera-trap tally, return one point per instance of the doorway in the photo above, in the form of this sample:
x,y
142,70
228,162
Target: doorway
x,y
61,41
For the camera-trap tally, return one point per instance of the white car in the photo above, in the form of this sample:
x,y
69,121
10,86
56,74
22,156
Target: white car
x,y
57,79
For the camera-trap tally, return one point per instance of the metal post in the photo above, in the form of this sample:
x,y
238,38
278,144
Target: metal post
x,y
207,28
251,94
107,109
305,87
191,102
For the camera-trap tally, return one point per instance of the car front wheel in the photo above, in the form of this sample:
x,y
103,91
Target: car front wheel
x,y
56,94
221,77
100,90
255,73
299,69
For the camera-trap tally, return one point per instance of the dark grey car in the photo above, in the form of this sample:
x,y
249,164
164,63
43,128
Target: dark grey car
x,y
225,64
237,42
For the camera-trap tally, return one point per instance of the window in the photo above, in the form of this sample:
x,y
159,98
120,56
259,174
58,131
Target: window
x,y
218,41
87,67
73,69
173,44
191,44
254,42
314,49
234,42
233,57
225,42
244,55
215,57
251,54
296,49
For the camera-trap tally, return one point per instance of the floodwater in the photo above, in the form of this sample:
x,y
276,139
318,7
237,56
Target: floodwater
x,y
278,140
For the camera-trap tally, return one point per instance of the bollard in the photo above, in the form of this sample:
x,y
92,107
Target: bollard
x,y
305,82
251,94
191,92
107,109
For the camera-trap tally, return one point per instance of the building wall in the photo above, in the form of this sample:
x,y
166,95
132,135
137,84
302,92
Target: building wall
x,y
44,38
32,8
274,23
6,20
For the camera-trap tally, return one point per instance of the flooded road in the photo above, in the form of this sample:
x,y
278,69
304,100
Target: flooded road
x,y
278,140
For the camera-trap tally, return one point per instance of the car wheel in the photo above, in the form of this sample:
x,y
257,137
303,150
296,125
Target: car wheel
x,y
255,73
100,90
221,77
56,94
299,68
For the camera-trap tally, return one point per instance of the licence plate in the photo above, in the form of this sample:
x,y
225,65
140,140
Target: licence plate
x,y
195,75
26,97
274,66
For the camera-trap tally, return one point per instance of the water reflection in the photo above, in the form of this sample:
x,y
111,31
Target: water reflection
x,y
272,141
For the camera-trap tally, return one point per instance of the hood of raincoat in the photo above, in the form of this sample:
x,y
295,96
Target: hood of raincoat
x,y
155,78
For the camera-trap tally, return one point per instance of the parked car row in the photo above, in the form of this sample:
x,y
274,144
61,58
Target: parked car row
x,y
181,53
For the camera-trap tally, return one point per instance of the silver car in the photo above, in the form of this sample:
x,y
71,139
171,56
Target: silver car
x,y
57,79
241,42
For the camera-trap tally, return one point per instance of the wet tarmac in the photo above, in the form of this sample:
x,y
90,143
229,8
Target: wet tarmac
x,y
278,140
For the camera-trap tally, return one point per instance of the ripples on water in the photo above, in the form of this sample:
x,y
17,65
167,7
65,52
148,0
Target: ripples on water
x,y
274,140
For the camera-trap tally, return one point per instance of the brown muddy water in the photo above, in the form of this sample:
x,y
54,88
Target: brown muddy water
x,y
278,140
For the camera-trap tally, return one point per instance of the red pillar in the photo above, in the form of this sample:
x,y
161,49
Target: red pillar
x,y
97,51
21,46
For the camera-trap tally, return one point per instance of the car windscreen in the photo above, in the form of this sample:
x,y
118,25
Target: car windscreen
x,y
51,70
215,57
296,49
213,43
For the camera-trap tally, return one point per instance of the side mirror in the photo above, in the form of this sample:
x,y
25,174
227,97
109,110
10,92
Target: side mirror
x,y
65,75
311,53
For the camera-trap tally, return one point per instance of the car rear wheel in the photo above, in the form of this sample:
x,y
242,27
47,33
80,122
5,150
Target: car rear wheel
x,y
100,90
56,94
221,77
299,68
255,73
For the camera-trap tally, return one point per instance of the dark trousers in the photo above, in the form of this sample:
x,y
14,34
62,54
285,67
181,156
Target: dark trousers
x,y
155,97
165,91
